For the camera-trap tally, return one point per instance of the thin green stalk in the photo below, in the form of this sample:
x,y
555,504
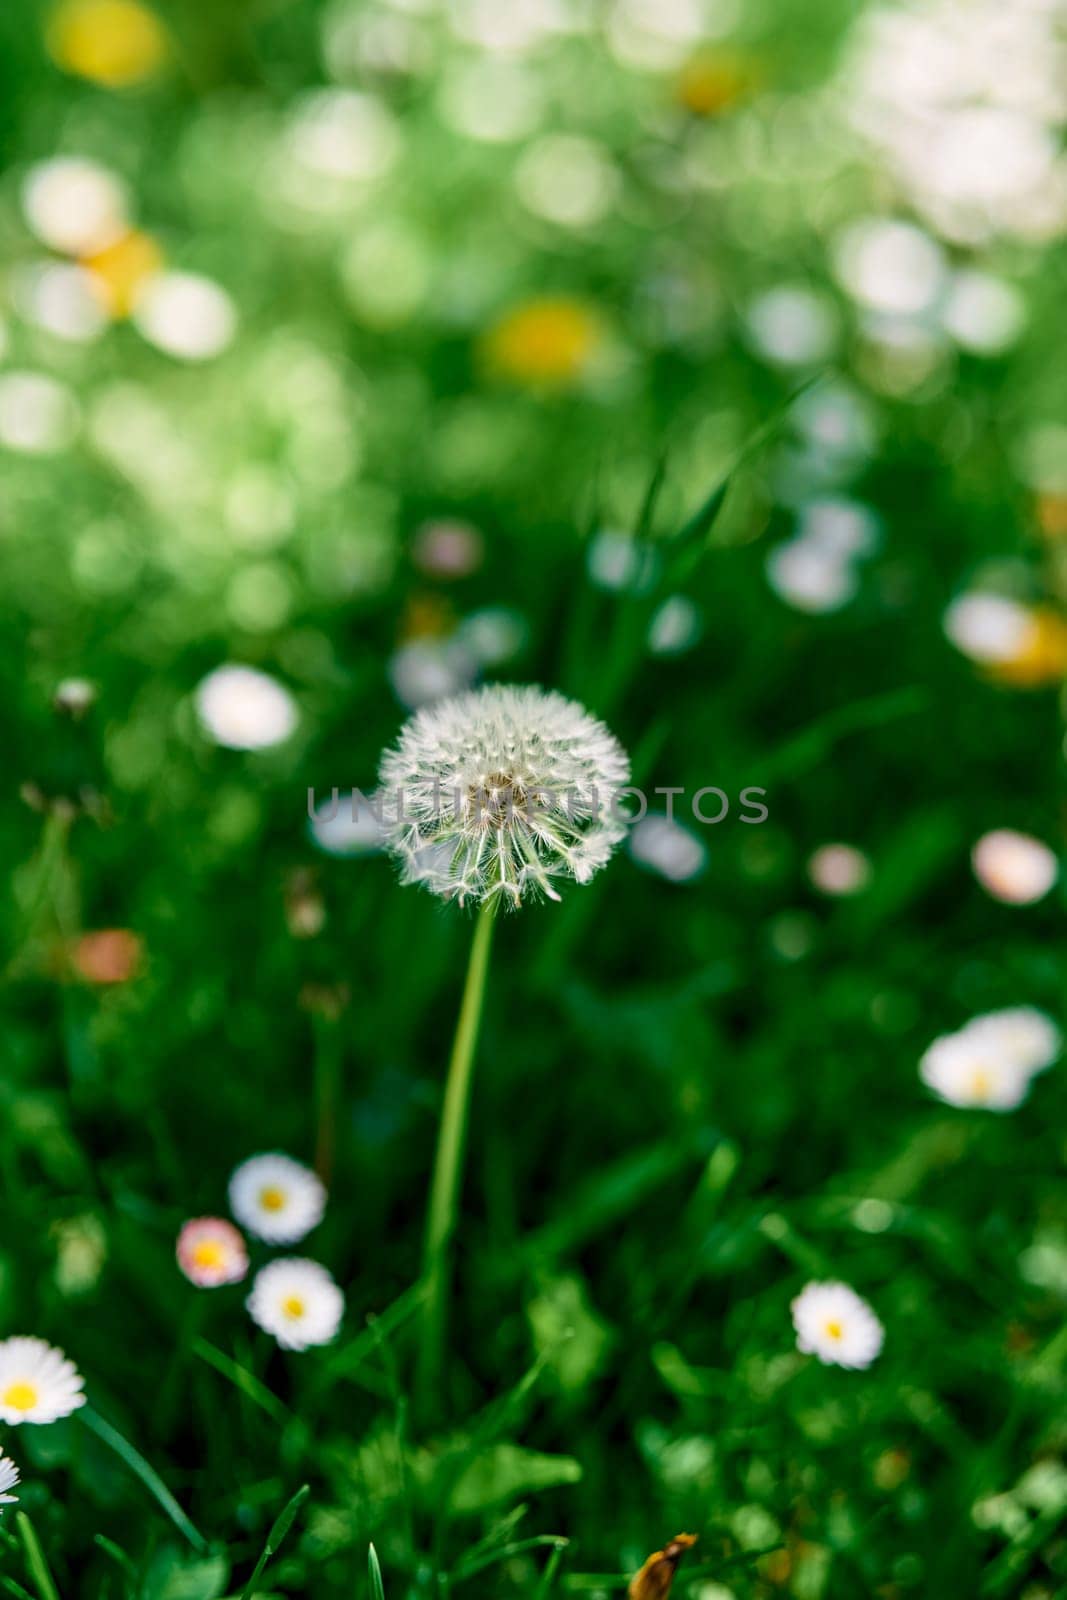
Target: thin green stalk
x,y
328,1068
448,1163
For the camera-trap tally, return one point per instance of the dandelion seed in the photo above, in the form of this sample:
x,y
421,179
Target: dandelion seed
x,y
211,1252
833,1323
500,792
37,1382
298,1302
276,1198
9,1477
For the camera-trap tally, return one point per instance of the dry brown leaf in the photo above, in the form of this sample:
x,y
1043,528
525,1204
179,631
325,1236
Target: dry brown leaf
x,y
654,1580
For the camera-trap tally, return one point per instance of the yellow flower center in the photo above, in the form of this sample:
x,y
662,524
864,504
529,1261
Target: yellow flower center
x,y
209,1253
122,268
293,1306
834,1330
546,341
21,1395
272,1199
981,1084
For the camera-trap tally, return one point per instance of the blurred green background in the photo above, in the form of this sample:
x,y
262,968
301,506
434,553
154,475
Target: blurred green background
x,y
388,348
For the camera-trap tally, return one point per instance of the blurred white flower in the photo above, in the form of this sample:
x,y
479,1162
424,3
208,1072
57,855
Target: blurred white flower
x,y
276,1198
494,634
63,299
567,179
38,414
211,1252
1013,867
970,1068
809,577
793,325
9,1477
500,791
185,315
259,506
618,562
844,528
424,670
833,1323
74,205
494,101
983,313
1022,1033
243,709
348,829
343,134
889,266
668,847
676,626
37,1382
298,1302
839,869
447,549
987,627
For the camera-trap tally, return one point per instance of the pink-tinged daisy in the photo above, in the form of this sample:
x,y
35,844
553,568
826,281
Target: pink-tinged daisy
x,y
211,1251
834,1324
276,1198
37,1382
9,1477
298,1302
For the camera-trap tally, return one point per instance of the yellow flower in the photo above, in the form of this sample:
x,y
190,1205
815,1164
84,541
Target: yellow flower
x,y
547,342
123,267
1041,659
711,84
111,42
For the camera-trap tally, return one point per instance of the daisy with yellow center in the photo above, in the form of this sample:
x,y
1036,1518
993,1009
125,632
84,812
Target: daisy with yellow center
x,y
991,1062
834,1324
297,1302
211,1252
9,1477
276,1198
114,43
548,342
37,1382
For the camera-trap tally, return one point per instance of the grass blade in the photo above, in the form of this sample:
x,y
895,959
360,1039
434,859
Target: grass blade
x,y
148,1475
375,1573
36,1564
283,1522
242,1379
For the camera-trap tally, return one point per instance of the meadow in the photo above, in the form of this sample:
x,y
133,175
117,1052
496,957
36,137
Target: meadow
x,y
361,365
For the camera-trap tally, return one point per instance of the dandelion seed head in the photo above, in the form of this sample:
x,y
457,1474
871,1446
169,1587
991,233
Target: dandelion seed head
x,y
502,791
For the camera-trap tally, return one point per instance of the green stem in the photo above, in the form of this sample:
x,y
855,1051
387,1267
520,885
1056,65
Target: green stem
x,y
327,1095
448,1163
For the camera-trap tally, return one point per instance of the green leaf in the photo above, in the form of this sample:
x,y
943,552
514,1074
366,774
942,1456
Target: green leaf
x,y
148,1476
173,1576
36,1564
506,1471
567,1331
281,1527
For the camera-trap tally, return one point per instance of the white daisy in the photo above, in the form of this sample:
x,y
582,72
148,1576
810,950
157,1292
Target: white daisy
x,y
9,1477
276,1198
1013,867
1022,1033
243,709
211,1252
836,1325
37,1382
297,1301
969,1069
500,791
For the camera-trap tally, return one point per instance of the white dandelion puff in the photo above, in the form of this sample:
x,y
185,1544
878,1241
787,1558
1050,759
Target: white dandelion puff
x,y
296,1301
833,1323
502,791
37,1382
9,1477
276,1198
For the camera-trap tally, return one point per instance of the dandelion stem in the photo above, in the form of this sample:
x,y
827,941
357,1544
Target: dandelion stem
x,y
448,1163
